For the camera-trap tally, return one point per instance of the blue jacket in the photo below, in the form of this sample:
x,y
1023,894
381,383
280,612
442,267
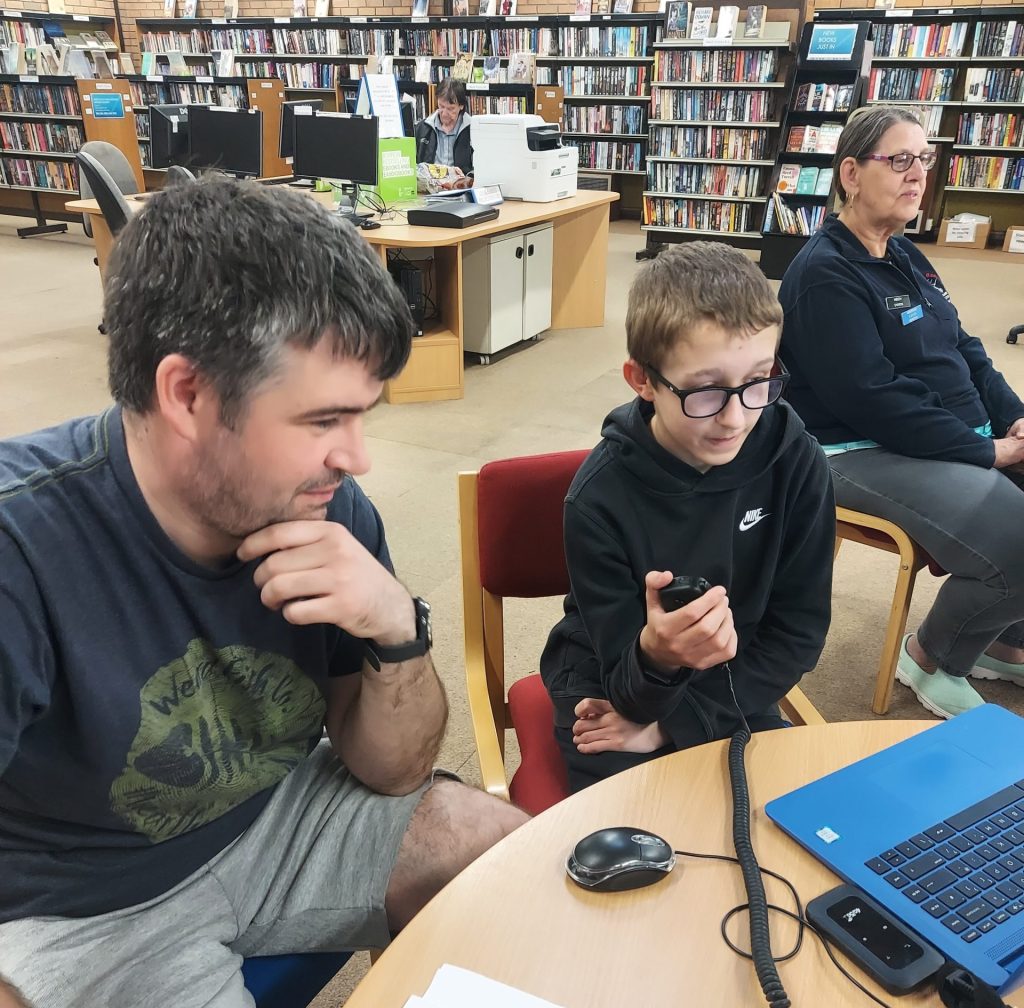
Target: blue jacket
x,y
877,352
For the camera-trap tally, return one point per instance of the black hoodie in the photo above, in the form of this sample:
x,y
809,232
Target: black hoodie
x,y
763,526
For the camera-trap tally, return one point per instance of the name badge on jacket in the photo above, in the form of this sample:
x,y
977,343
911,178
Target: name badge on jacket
x,y
897,302
912,314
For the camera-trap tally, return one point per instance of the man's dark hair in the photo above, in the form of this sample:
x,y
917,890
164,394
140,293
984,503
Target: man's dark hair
x,y
453,91
230,273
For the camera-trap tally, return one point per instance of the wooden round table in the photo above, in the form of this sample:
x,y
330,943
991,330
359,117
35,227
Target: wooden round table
x,y
514,916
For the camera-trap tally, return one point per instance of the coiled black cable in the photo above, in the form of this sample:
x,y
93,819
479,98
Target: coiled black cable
x,y
757,901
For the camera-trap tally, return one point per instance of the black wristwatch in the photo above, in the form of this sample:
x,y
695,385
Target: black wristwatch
x,y
380,654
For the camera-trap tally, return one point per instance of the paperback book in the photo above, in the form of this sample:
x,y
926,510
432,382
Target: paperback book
x,y
463,68
677,19
700,25
726,27
521,67
753,25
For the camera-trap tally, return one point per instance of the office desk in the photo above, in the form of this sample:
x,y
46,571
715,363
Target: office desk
x,y
434,371
514,916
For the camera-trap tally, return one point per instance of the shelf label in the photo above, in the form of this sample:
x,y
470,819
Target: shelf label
x,y
419,20
204,80
79,17
475,86
579,17
282,20
29,79
519,17
155,78
899,13
11,13
218,20
357,20
946,10
100,86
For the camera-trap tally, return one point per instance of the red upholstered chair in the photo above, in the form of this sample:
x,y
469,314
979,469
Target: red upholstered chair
x,y
511,534
879,533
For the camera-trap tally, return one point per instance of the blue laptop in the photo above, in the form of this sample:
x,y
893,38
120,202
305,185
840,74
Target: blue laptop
x,y
933,829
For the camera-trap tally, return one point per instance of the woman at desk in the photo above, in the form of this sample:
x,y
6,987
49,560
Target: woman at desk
x,y
443,138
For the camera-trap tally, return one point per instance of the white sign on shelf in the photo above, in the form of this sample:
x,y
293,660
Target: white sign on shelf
x,y
11,13
961,231
279,20
29,79
79,17
579,17
357,20
100,86
156,78
204,80
378,96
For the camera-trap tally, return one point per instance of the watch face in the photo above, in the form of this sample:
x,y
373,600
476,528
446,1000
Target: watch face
x,y
423,615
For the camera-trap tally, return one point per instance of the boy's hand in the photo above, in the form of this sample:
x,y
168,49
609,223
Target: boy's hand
x,y
601,728
698,636
318,572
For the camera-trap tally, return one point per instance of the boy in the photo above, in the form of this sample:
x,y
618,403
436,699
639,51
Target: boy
x,y
705,473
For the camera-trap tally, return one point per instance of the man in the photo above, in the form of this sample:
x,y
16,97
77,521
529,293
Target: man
x,y
194,588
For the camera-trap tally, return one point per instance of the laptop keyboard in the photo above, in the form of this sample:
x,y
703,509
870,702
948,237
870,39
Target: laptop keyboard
x,y
968,871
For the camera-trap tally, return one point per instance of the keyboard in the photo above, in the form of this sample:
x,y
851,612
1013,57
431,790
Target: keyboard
x,y
967,871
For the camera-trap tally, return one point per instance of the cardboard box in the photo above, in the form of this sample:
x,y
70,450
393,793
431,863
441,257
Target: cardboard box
x,y
964,234
1014,240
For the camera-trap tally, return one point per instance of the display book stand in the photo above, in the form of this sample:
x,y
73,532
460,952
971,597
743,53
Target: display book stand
x,y
50,116
576,53
975,123
701,183
850,50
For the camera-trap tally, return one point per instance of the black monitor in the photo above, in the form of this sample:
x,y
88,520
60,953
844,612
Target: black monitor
x,y
408,118
230,140
168,135
336,146
288,122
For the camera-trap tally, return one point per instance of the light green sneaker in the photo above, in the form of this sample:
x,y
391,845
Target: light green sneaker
x,y
987,667
938,692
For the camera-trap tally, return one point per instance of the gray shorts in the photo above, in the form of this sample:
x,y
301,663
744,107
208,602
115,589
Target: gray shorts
x,y
309,875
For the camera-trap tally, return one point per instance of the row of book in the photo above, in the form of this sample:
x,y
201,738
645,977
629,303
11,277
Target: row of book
x,y
705,180
711,142
425,42
39,99
623,41
991,129
999,38
32,173
604,119
57,138
596,80
497,104
919,40
823,97
906,84
781,218
751,66
994,84
301,76
979,172
699,215
33,35
608,155
931,119
713,104
821,139
187,93
268,42
804,180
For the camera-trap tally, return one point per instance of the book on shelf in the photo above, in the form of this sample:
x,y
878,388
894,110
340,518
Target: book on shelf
x,y
677,18
810,141
148,64
828,138
789,176
298,8
125,63
77,64
462,70
224,62
700,22
421,70
803,96
753,24
728,16
601,7
101,65
795,140
506,8
176,64
460,8
824,184
14,59
807,180
170,8
322,8
492,70
190,8
582,7
230,9
522,67
105,40
420,8
56,6
622,7
47,60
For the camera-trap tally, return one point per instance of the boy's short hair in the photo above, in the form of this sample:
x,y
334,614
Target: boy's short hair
x,y
691,283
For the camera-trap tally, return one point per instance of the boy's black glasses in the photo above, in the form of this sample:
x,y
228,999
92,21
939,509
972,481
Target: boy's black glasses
x,y
699,403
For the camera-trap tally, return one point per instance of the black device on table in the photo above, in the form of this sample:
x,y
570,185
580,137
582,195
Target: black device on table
x,y
334,145
286,142
229,140
168,136
451,215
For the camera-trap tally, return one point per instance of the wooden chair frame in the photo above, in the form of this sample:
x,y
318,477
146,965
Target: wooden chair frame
x,y
851,525
483,617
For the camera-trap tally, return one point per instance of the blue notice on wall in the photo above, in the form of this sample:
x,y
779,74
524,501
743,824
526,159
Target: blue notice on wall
x,y
832,42
108,106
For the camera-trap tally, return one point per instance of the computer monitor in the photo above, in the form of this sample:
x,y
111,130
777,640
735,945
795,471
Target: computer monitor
x,y
336,146
288,122
408,118
230,140
168,135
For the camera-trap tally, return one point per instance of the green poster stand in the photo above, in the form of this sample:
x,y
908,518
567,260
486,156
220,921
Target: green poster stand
x,y
396,169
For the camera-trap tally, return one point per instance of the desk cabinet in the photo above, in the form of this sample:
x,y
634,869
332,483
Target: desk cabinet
x,y
506,289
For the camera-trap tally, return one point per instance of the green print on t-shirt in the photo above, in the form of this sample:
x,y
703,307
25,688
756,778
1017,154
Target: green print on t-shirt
x,y
217,726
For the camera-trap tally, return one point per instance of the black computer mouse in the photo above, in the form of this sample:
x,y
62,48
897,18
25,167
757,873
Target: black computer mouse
x,y
369,225
618,858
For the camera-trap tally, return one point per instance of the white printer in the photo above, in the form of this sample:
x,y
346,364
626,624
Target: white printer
x,y
524,155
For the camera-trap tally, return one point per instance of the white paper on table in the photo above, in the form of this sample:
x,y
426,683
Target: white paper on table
x,y
454,987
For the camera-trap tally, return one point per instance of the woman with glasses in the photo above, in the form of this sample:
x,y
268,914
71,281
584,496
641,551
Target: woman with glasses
x,y
918,426
706,474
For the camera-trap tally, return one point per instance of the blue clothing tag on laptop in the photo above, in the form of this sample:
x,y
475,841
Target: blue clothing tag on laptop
x,y
912,314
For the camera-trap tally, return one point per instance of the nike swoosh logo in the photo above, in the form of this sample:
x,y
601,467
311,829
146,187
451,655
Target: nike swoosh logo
x,y
744,524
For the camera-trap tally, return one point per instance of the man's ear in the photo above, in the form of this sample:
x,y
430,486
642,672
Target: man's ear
x,y
637,379
183,397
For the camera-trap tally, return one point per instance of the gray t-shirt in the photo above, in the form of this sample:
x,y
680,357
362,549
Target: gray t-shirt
x,y
148,705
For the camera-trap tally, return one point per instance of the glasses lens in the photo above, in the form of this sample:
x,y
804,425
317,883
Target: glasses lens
x,y
703,403
762,393
901,162
928,160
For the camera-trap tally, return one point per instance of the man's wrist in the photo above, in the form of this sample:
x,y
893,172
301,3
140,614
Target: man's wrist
x,y
404,629
416,644
655,672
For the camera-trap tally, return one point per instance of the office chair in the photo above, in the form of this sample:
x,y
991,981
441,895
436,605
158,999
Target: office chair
x,y
179,175
869,530
117,167
104,189
510,514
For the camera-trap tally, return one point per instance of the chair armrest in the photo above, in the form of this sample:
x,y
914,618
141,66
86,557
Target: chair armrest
x,y
489,748
799,709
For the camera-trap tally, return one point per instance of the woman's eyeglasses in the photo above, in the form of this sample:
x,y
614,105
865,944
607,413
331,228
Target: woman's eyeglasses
x,y
700,403
902,162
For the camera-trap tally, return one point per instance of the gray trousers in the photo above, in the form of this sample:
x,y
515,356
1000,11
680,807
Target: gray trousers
x,y
971,521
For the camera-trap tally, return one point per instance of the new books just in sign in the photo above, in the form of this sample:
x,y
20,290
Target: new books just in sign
x,y
832,42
